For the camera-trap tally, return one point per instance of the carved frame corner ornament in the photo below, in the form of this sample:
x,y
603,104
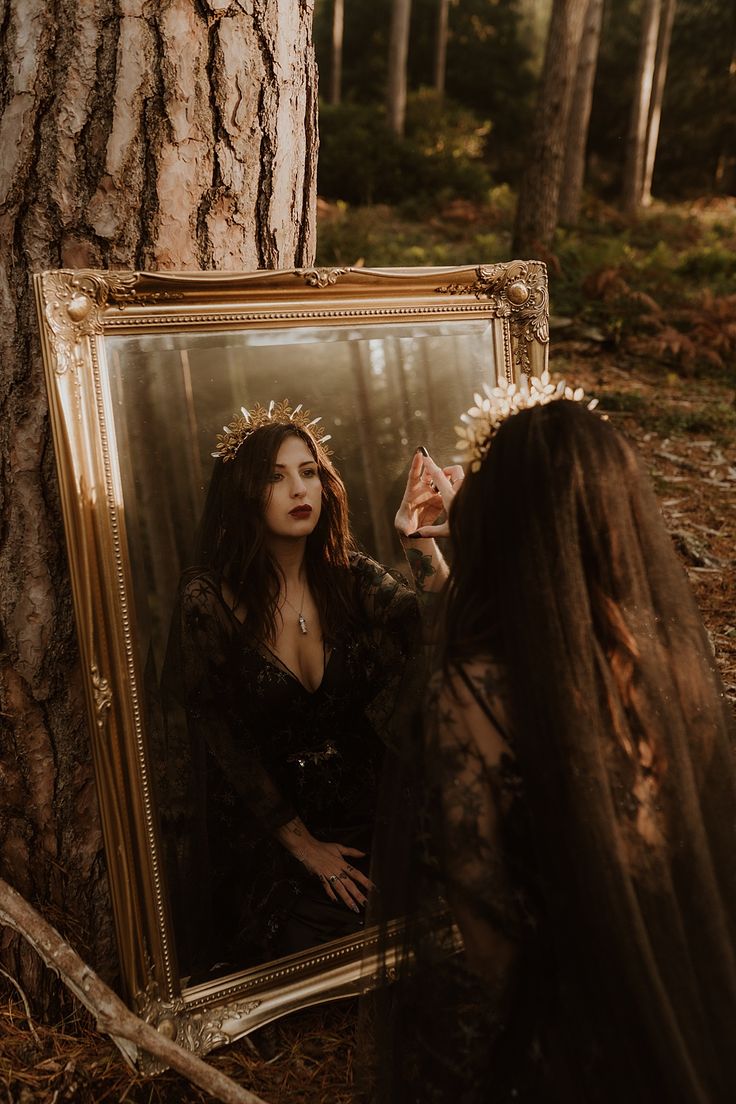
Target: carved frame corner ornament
x,y
519,291
75,302
81,315
320,277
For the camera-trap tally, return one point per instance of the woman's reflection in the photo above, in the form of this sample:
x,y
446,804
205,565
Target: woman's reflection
x,y
286,650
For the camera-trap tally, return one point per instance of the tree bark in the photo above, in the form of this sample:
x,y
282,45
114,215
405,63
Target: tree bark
x,y
633,183
135,134
398,52
655,107
536,213
573,174
338,31
724,179
440,48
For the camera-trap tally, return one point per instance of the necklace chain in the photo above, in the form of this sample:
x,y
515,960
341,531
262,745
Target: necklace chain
x,y
300,616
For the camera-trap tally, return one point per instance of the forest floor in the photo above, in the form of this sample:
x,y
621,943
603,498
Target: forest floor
x,y
644,317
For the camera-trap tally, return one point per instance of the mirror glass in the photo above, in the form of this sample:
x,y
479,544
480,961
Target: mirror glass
x,y
381,389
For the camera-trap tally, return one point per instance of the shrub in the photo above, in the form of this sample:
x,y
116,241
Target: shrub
x,y
362,161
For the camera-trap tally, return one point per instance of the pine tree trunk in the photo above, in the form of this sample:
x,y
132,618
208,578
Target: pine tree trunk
x,y
724,179
573,174
536,213
338,31
171,135
655,108
440,47
633,182
398,52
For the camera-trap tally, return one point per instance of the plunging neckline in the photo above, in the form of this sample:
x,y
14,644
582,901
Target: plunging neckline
x,y
280,664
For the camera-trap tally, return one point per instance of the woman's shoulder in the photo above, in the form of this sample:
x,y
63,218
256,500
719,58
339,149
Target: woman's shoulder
x,y
479,675
200,592
472,695
197,580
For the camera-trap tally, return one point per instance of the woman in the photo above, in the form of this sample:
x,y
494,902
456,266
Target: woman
x,y
286,652
580,781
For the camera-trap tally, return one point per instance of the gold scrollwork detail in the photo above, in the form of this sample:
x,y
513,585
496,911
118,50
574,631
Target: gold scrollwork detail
x,y
165,1016
200,1032
102,695
74,303
197,1031
320,277
518,291
72,312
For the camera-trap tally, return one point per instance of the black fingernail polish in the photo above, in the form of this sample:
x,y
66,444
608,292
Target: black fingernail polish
x,y
422,449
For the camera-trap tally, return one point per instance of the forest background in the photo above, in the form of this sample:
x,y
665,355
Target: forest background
x,y
435,138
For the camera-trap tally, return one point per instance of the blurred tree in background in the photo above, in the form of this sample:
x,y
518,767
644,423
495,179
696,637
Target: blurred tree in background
x,y
475,131
699,109
454,144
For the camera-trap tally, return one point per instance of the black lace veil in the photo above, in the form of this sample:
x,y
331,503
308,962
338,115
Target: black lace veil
x,y
577,798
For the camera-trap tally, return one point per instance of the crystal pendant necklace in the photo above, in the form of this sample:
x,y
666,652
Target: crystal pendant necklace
x,y
300,616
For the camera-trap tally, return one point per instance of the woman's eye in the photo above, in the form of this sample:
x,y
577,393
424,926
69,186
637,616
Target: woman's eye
x,y
309,473
274,477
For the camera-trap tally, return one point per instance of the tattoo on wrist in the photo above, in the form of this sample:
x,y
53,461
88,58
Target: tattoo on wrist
x,y
421,566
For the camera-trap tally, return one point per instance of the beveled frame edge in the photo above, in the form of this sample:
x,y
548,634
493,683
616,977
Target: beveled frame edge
x,y
95,537
345,967
76,310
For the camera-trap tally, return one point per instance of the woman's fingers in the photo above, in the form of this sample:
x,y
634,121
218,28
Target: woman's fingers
x,y
413,478
340,887
350,893
359,876
327,886
349,883
429,490
429,531
438,478
455,474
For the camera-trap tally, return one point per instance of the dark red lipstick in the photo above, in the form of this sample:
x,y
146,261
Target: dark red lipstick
x,y
301,511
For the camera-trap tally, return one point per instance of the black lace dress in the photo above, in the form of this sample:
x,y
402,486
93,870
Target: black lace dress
x,y
255,749
596,982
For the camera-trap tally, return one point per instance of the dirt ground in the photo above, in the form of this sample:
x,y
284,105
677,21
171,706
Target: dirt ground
x,y
685,429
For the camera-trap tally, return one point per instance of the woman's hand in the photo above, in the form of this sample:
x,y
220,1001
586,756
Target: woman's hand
x,y
330,862
429,493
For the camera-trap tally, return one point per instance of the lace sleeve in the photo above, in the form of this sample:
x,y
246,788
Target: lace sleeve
x,y
473,775
393,623
387,600
201,674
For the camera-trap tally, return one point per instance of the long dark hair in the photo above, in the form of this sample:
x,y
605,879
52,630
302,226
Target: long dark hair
x,y
564,573
231,539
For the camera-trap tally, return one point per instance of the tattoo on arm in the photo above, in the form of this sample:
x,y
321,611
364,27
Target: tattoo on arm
x,y
421,567
288,834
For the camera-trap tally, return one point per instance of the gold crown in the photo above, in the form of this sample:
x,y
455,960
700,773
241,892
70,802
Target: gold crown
x,y
483,420
277,413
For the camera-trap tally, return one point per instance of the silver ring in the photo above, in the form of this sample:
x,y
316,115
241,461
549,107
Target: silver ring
x,y
332,878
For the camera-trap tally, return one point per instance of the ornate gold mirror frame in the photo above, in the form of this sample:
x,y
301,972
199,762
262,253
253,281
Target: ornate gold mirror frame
x,y
79,311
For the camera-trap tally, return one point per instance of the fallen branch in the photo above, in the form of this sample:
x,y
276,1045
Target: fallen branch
x,y
112,1016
